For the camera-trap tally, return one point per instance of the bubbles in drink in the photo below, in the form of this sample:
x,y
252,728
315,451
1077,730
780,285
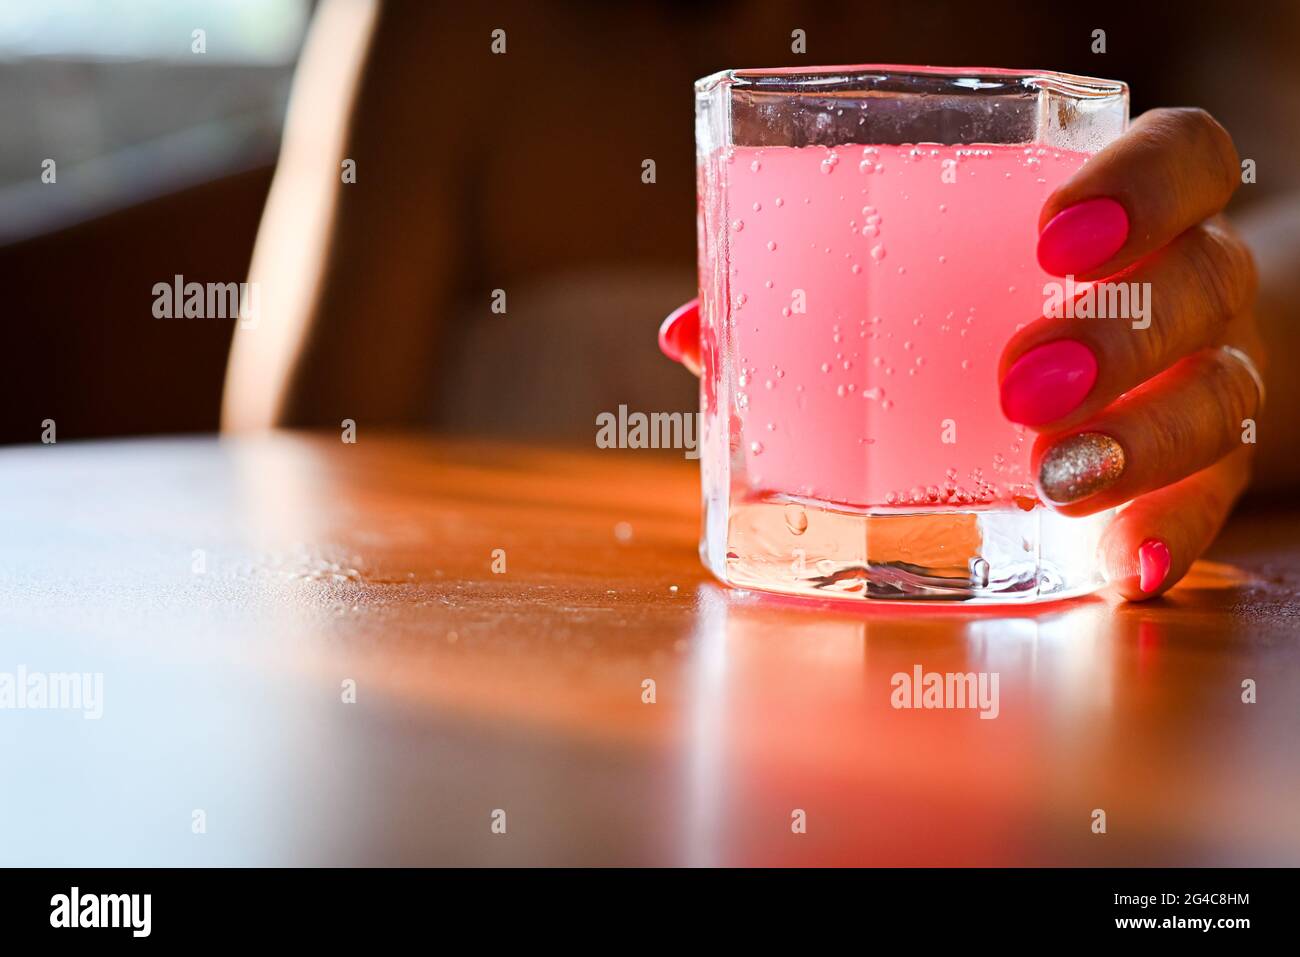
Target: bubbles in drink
x,y
946,368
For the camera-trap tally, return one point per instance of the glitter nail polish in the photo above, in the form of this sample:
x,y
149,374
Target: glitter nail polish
x,y
1080,466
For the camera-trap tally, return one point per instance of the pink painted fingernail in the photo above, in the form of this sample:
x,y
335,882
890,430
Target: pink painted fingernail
x,y
679,330
1082,237
1048,381
1153,558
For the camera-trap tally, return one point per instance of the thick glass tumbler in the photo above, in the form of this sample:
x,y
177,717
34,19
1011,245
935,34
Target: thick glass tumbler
x,y
867,242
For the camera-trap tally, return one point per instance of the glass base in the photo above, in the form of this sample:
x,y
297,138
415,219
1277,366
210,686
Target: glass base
x,y
991,555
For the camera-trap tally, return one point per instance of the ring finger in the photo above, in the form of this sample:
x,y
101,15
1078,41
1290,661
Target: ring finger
x,y
1184,420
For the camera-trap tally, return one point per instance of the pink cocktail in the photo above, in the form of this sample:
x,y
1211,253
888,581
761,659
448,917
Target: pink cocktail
x,y
863,264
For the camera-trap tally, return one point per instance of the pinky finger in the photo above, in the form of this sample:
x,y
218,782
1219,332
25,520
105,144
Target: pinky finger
x,y
1152,543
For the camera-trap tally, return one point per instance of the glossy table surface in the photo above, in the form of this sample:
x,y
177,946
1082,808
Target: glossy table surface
x,y
497,611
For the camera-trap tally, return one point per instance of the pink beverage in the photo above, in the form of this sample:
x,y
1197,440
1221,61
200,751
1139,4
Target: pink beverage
x,y
867,249
868,322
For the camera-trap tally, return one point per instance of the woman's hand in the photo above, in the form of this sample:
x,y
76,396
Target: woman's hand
x,y
1156,413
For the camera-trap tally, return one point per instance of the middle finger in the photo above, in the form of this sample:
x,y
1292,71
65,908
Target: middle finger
x,y
1058,371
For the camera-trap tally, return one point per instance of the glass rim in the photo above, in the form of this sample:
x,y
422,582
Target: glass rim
x,y
901,78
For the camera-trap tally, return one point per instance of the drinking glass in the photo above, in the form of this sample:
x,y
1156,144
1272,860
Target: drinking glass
x,y
867,246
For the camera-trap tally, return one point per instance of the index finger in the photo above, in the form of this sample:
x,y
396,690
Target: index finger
x,y
1171,170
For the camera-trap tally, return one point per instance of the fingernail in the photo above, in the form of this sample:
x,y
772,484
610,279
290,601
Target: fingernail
x,y
1048,381
1153,559
1080,466
670,332
1082,237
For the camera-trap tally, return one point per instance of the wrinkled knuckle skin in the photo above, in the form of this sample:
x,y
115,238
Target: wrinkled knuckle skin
x,y
1234,396
1150,350
1189,139
1215,143
1222,272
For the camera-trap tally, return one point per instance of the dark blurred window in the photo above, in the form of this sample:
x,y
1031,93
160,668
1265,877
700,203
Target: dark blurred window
x,y
118,94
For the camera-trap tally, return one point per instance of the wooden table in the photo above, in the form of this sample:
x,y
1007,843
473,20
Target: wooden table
x,y
231,592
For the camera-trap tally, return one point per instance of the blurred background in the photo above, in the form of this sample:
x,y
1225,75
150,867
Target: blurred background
x,y
475,171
